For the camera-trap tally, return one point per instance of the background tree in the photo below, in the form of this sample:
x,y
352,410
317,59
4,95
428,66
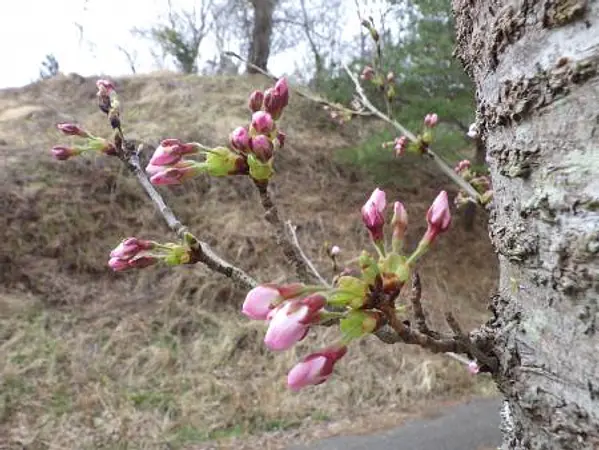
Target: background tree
x,y
262,29
536,68
180,38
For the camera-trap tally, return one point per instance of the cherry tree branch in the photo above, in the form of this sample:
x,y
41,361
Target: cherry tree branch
x,y
202,251
403,130
310,96
307,260
292,252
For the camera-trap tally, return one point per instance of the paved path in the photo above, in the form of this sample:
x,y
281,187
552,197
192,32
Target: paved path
x,y
469,426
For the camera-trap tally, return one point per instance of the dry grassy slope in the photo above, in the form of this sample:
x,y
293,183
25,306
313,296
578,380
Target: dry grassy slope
x,y
172,334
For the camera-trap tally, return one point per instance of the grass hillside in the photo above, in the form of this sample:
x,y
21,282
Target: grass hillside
x,y
162,358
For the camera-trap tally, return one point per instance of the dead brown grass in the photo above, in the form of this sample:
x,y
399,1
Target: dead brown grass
x,y
92,359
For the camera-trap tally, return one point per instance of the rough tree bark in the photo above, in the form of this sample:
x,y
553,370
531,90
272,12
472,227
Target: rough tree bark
x,y
536,68
261,34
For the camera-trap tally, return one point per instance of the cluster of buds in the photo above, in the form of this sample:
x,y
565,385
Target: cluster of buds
x,y
481,183
402,144
359,297
290,311
250,151
169,166
108,102
385,83
133,253
338,113
90,143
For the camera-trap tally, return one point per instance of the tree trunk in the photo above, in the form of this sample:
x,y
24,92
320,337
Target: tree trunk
x,y
536,68
261,34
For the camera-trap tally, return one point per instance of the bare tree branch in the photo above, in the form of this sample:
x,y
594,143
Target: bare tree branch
x,y
440,163
202,251
307,260
304,94
291,252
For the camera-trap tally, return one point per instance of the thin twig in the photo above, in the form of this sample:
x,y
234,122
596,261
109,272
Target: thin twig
x,y
203,252
303,255
474,351
302,93
291,252
399,127
415,299
401,332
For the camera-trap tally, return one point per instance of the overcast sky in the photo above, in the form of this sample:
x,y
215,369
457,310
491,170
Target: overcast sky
x,y
31,29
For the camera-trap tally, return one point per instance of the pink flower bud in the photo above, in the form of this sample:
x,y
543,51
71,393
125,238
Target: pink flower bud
x,y
462,166
399,221
105,87
118,264
315,368
372,214
255,102
473,367
289,324
335,250
262,122
71,129
174,175
260,301
367,73
262,147
276,99
63,153
170,151
438,217
240,139
130,247
282,91
401,143
430,120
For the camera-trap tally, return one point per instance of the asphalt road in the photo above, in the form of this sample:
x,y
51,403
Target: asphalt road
x,y
469,426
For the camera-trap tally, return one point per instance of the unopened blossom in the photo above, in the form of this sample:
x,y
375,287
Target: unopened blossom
x,y
335,250
262,147
462,166
473,367
289,323
276,98
262,122
399,223
315,368
130,247
438,217
174,175
170,151
105,86
240,139
63,153
260,301
71,129
372,214
401,143
430,120
256,100
367,73
140,262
